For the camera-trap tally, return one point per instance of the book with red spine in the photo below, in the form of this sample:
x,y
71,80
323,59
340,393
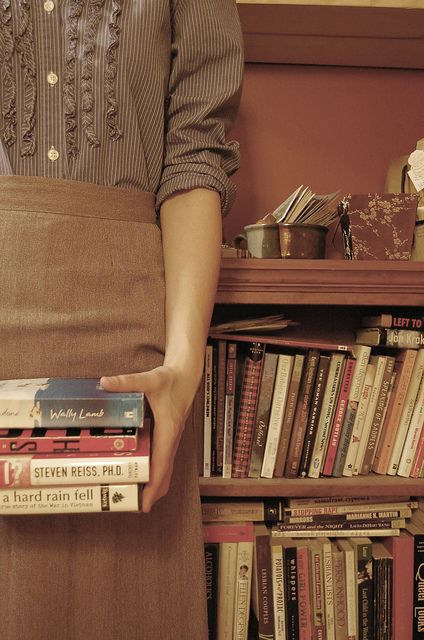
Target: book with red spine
x,y
221,374
228,532
73,440
402,549
339,416
247,409
40,469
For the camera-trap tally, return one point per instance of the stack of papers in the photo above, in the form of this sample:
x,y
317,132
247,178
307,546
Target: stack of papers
x,y
305,207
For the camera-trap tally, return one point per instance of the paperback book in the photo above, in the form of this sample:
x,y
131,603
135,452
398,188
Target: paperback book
x,y
66,402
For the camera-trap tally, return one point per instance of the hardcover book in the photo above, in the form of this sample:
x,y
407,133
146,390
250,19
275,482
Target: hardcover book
x,y
72,440
70,499
70,468
59,403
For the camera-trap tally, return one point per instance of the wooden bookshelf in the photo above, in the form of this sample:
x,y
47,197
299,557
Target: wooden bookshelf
x,y
370,33
336,288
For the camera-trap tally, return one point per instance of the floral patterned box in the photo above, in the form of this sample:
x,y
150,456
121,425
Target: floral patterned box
x,y
379,226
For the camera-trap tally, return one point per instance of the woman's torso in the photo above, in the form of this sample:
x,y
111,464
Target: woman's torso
x,y
83,87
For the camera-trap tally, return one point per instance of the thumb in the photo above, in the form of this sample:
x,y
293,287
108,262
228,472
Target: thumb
x,y
127,382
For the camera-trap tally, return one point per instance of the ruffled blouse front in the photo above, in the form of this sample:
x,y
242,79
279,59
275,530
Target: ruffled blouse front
x,y
137,94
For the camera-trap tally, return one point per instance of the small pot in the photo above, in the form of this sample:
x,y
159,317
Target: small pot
x,y
305,241
263,240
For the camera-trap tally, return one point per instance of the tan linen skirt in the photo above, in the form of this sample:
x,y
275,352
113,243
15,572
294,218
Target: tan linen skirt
x,y
82,295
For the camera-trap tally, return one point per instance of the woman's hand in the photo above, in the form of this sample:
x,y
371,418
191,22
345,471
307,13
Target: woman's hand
x,y
170,394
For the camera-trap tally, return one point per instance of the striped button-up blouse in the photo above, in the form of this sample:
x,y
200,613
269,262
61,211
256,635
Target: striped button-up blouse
x,y
137,94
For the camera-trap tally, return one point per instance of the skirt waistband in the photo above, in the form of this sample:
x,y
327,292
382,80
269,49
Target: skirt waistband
x,y
71,197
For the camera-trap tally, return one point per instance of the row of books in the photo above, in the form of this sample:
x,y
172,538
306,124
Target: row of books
x,y
262,584
67,445
311,410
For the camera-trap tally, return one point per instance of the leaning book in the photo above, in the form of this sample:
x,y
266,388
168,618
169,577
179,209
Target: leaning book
x,y
66,402
72,499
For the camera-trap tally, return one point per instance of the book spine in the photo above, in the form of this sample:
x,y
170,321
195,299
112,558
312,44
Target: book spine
x,y
278,591
229,414
207,420
290,575
339,416
214,408
335,500
241,511
71,499
359,420
364,593
263,414
390,321
301,415
362,355
413,436
339,586
211,574
378,418
232,532
27,471
278,404
418,458
86,413
385,445
351,604
418,587
243,589
380,364
350,516
247,410
25,441
318,601
227,571
262,566
337,362
404,338
316,404
304,593
327,565
220,404
333,509
407,411
289,411
342,525
338,533
402,550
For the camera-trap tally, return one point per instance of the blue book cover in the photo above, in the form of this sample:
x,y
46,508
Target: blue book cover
x,y
66,402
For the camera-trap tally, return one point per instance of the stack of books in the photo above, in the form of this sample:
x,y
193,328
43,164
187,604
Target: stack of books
x,y
287,405
319,583
67,446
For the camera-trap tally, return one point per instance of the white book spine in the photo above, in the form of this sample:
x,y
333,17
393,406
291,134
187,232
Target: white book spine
x,y
328,406
243,589
407,411
207,421
359,420
72,499
413,436
351,588
362,354
278,591
226,589
278,404
381,362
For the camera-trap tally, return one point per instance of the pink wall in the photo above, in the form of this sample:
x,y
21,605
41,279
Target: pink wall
x,y
327,127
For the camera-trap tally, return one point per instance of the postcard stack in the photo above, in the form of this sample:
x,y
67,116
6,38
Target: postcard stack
x,y
69,446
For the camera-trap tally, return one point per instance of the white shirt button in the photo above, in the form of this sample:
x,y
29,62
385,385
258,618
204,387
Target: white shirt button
x,y
48,6
52,78
53,154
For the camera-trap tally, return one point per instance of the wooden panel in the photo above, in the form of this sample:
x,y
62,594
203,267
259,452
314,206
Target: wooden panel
x,y
323,282
305,487
384,34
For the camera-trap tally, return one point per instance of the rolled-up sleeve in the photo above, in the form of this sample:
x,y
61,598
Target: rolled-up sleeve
x,y
204,94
